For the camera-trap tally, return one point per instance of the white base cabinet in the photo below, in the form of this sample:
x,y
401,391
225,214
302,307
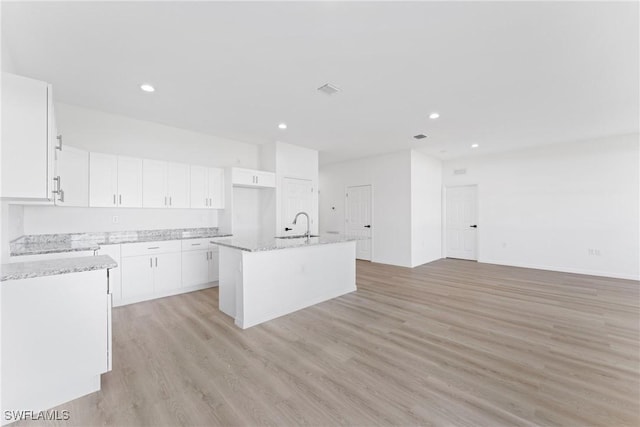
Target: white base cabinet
x,y
55,339
199,262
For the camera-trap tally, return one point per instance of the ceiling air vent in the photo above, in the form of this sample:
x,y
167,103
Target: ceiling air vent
x,y
329,89
420,136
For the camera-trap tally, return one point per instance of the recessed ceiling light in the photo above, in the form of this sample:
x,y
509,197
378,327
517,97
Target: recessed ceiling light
x,y
329,89
147,87
282,125
474,145
434,115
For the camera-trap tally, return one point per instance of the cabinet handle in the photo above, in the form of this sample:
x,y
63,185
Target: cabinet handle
x,y
154,247
207,256
120,199
257,179
61,194
59,146
195,244
165,200
151,262
156,261
114,199
206,201
169,200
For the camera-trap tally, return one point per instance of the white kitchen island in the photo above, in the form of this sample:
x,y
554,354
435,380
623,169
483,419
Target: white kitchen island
x,y
265,278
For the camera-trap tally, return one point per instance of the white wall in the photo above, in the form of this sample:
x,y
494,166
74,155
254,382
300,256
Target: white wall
x,y
287,161
108,133
545,207
390,178
426,212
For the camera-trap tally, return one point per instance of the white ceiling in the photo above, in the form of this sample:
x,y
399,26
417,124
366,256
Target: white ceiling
x,y
502,74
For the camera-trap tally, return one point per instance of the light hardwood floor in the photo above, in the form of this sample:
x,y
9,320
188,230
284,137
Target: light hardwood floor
x,y
448,343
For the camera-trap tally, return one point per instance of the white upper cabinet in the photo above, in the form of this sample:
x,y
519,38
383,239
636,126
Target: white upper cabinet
x,y
253,178
178,185
28,138
154,179
114,181
199,187
216,188
165,184
103,180
72,177
129,182
207,187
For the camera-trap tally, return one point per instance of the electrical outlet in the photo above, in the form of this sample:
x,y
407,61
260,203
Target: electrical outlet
x,y
594,252
115,219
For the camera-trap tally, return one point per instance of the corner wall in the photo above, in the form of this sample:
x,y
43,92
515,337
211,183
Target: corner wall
x,y
553,207
390,178
426,211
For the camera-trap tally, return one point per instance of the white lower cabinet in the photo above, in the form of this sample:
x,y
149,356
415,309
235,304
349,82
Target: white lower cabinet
x,y
137,278
55,338
199,262
157,269
167,272
195,268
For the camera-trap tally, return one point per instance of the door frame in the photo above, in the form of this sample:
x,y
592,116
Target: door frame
x,y
444,218
346,189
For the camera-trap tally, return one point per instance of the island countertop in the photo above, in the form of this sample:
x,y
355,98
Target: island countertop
x,y
251,243
29,269
80,242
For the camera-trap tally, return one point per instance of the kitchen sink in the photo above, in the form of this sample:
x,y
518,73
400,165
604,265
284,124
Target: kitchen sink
x,y
296,236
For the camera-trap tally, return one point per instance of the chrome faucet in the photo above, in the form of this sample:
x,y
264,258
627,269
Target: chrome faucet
x,y
295,220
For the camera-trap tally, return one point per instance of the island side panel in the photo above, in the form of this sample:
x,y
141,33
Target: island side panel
x,y
279,282
54,338
230,277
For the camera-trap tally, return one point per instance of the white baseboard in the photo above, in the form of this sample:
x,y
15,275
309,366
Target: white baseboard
x,y
610,274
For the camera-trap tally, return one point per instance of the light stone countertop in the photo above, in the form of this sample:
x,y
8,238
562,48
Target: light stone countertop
x,y
251,243
30,269
77,242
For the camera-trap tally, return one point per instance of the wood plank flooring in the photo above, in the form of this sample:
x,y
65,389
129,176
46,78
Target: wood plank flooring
x,y
448,343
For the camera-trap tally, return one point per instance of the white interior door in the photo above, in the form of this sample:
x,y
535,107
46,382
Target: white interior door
x,y
358,218
461,222
297,197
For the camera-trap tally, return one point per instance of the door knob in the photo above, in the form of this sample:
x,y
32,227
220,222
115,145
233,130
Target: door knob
x,y
367,226
288,229
473,226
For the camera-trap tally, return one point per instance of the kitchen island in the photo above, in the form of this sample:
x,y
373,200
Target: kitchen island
x,y
265,278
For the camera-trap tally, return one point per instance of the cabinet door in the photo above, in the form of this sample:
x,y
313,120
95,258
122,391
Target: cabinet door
x,y
243,177
129,182
199,187
195,268
154,184
216,188
25,138
214,265
72,170
103,180
167,271
137,277
178,185
265,179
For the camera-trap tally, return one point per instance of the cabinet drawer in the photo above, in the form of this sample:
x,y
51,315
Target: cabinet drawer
x,y
147,248
195,244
